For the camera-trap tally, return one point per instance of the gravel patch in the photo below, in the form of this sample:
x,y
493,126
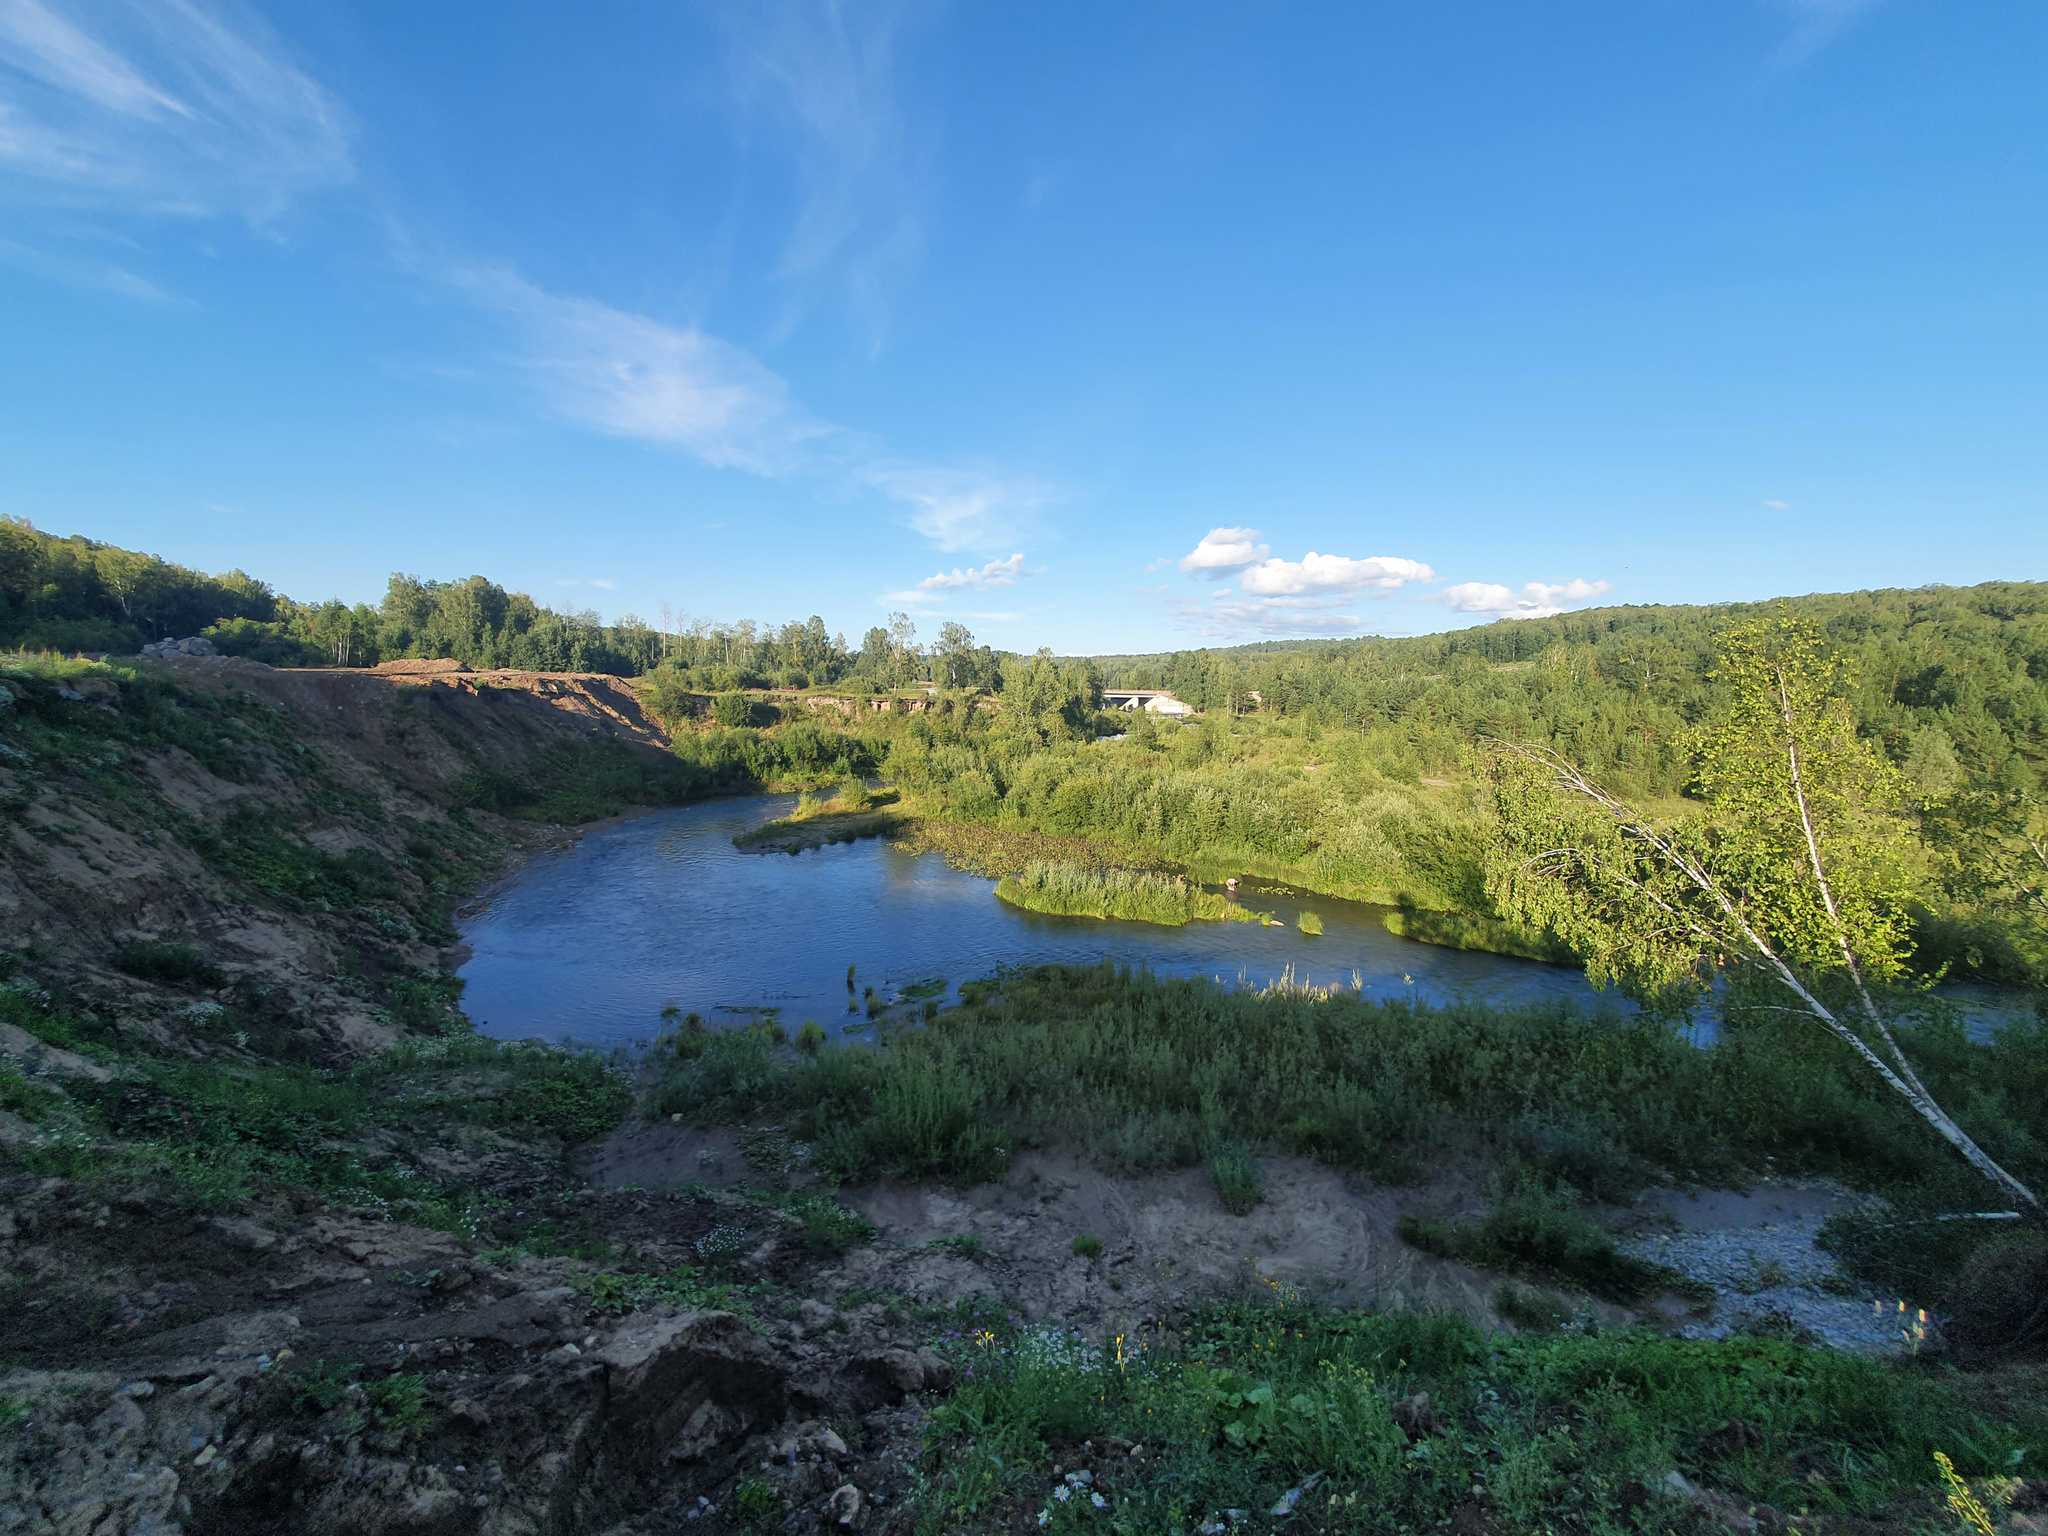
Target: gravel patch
x,y
1766,1276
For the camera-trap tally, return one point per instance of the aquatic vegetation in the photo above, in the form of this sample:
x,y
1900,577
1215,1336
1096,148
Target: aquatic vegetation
x,y
1310,923
1073,890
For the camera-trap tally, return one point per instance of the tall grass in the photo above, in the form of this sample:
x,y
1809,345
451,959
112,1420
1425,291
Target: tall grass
x,y
1314,1412
1145,1072
1074,890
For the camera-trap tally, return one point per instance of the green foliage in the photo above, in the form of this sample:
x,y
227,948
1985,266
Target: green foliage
x,y
1797,872
253,846
1533,1229
31,1101
810,1037
1239,1184
754,1505
829,1228
683,1286
965,1244
1087,1246
1553,1426
172,964
79,595
1310,923
1530,1311
1142,1072
1074,890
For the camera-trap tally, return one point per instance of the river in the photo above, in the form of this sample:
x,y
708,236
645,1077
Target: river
x,y
589,944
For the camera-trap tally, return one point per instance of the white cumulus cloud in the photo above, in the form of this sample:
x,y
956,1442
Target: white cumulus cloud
x,y
1330,573
997,573
1536,600
1224,549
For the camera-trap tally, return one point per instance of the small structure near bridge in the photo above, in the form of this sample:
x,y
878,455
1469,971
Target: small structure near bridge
x,y
1155,701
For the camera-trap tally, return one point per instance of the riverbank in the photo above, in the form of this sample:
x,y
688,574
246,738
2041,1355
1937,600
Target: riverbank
x,y
284,1247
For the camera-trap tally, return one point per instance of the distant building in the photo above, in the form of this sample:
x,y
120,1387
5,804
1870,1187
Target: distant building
x,y
1154,701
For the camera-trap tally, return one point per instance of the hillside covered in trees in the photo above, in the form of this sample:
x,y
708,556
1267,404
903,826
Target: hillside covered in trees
x,y
1352,767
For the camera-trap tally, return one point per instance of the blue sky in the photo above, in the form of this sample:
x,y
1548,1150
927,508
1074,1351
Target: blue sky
x,y
1121,326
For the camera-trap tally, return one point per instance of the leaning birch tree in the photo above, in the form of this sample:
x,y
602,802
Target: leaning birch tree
x,y
1799,864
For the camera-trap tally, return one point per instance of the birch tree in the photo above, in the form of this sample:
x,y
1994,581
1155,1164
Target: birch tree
x,y
1799,865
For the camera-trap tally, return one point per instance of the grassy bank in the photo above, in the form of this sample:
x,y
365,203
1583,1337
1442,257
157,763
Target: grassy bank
x,y
1141,1072
1354,1422
1463,930
1070,890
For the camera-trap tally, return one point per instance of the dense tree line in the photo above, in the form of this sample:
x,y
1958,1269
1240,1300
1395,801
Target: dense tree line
x,y
1342,764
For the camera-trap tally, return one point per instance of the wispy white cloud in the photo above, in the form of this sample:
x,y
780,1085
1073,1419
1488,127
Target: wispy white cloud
x,y
954,508
1815,24
632,376
1536,600
168,106
82,272
1222,549
825,73
587,581
1778,505
1224,614
997,573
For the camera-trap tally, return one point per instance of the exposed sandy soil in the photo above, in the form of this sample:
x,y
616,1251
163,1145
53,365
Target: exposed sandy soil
x,y
1167,1242
83,872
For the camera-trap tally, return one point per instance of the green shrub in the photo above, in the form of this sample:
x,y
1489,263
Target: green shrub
x,y
1088,1246
828,1227
1310,923
965,1244
810,1037
1534,1229
1530,1311
161,961
1997,1303
1236,1175
1074,890
732,710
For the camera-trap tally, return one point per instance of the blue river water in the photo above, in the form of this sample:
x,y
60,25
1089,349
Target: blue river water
x,y
590,943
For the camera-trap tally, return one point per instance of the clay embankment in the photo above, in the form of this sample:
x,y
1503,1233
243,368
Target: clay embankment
x,y
110,838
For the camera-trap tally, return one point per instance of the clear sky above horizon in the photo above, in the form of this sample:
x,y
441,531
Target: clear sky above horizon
x,y
1117,327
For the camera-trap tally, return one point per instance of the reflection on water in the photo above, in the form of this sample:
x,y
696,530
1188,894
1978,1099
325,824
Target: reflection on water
x,y
592,942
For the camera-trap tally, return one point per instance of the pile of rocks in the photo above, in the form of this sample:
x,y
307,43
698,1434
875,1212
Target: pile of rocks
x,y
198,645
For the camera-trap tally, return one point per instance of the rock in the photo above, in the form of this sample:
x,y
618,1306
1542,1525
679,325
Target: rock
x,y
829,1443
679,1386
240,1232
1284,1505
815,1316
844,1505
1416,1417
196,645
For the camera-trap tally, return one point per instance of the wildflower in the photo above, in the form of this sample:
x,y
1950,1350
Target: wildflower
x,y
1062,1493
1966,1506
1045,1517
1098,1501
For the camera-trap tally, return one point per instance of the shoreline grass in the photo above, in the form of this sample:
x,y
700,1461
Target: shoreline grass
x,y
1072,890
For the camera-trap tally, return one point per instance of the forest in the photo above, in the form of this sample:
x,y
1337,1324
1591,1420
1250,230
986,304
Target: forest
x,y
1354,767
